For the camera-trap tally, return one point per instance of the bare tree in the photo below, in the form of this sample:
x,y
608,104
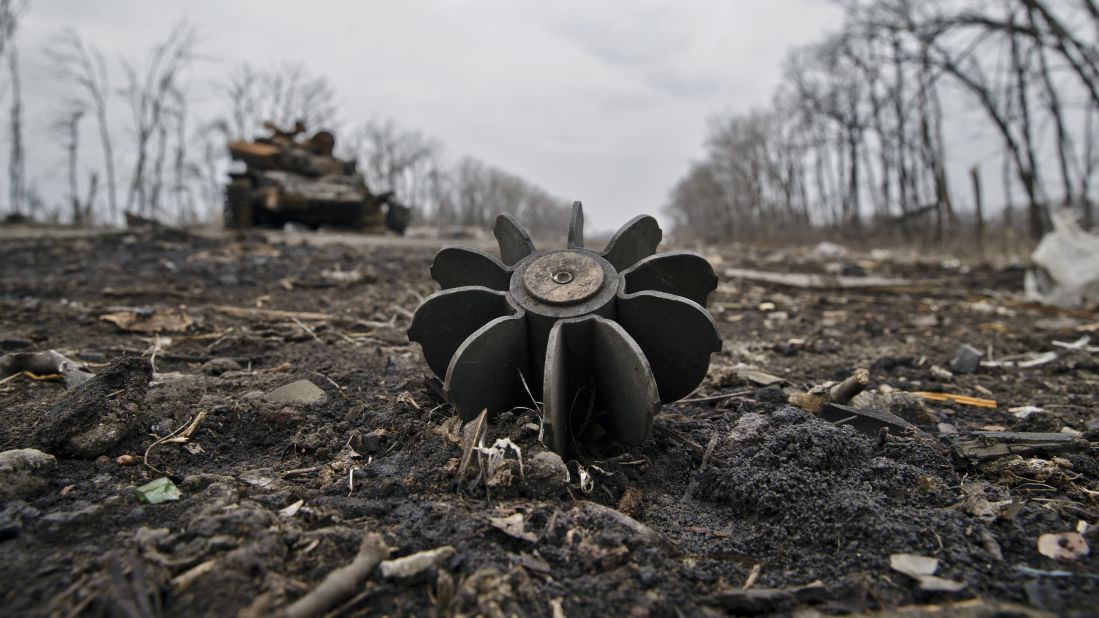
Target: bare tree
x,y
70,125
149,96
283,94
395,159
16,160
83,68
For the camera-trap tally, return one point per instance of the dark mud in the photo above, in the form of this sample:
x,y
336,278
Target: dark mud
x,y
275,495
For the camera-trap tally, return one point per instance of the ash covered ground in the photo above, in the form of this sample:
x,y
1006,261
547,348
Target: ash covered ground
x,y
740,502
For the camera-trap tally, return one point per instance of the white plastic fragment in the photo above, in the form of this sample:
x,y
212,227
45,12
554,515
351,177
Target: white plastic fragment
x,y
1064,268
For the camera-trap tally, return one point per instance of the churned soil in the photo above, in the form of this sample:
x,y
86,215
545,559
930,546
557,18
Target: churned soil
x,y
738,503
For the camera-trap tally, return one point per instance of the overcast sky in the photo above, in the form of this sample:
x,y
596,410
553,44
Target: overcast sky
x,y
605,102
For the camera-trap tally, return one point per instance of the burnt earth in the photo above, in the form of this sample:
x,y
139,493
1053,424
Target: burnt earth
x,y
277,494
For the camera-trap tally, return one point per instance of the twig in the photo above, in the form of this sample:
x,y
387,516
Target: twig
x,y
306,328
753,575
341,583
180,435
156,349
273,314
738,393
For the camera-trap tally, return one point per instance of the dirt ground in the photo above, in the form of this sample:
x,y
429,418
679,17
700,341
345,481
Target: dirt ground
x,y
738,504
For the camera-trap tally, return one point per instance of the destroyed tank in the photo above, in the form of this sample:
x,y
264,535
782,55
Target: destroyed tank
x,y
290,180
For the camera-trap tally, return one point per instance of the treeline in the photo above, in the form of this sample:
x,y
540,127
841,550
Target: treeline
x,y
168,160
855,138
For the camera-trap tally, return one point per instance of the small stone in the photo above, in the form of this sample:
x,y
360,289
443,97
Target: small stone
x,y
546,474
125,460
302,392
24,472
967,359
218,366
22,459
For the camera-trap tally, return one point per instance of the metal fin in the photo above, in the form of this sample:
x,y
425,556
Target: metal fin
x,y
625,387
587,356
445,319
680,273
485,371
576,226
676,335
567,373
463,266
633,242
513,238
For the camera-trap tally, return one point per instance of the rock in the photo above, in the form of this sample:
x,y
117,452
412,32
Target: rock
x,y
302,392
967,359
546,474
99,413
24,472
218,366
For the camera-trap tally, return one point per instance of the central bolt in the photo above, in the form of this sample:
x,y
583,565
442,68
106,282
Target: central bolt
x,y
563,277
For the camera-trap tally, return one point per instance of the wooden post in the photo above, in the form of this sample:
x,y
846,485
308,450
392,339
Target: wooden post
x,y
975,176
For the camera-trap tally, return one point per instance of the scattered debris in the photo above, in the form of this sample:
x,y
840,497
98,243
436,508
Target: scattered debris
x,y
840,393
38,364
984,445
492,469
409,567
967,359
1064,269
865,420
760,601
157,491
922,569
291,510
630,500
964,400
913,565
976,502
341,583
755,376
514,526
810,281
1063,545
149,320
255,313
